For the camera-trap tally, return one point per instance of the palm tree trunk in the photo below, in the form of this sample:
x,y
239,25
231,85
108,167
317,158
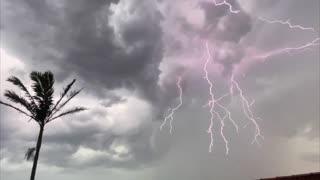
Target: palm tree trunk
x,y
35,161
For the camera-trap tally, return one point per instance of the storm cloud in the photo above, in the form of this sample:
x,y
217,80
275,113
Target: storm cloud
x,y
128,55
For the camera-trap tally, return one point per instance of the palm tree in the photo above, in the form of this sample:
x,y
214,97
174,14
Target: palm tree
x,y
40,106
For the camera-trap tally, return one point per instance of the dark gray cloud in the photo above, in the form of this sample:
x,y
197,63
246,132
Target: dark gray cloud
x,y
222,29
77,36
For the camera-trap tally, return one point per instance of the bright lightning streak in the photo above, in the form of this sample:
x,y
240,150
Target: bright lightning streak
x,y
248,112
221,132
252,102
228,113
173,110
315,42
234,84
217,100
212,100
288,23
212,103
224,2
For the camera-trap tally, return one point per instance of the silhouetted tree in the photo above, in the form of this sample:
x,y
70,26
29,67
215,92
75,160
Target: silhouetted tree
x,y
40,105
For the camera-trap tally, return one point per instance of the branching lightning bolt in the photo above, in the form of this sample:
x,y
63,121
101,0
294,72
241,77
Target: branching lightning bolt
x,y
248,112
288,23
173,110
225,3
245,103
315,42
212,100
212,103
228,114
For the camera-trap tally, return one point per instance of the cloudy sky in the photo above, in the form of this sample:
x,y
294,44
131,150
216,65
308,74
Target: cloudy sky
x,y
129,56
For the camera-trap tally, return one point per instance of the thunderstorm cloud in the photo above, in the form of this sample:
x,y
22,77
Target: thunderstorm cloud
x,y
128,55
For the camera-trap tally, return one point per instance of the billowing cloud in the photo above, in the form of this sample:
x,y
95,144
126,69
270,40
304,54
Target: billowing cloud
x,y
104,42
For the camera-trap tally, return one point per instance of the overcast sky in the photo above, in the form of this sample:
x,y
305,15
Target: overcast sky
x,y
129,55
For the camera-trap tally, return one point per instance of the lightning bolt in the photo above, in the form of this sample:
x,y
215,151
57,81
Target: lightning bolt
x,y
221,132
173,110
246,106
315,42
225,3
212,100
288,23
212,103
228,114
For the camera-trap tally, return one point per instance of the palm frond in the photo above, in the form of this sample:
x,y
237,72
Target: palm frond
x,y
42,84
14,97
30,153
69,98
37,85
67,112
16,81
63,94
19,110
43,88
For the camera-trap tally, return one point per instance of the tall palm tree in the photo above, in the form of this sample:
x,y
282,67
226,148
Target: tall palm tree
x,y
40,105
